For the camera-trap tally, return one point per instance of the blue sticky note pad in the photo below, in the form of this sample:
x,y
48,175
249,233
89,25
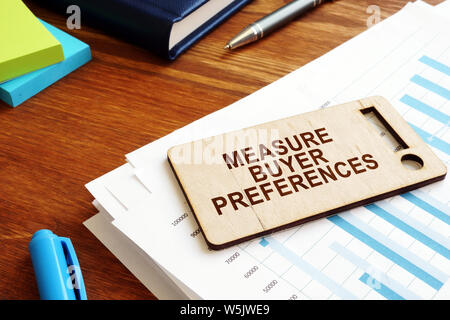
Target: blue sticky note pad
x,y
20,89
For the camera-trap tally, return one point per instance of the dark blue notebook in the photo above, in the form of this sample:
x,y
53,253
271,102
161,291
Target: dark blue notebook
x,y
166,27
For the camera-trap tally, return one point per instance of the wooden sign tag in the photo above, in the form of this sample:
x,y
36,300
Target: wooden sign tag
x,y
252,182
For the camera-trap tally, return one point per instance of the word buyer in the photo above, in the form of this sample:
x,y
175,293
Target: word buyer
x,y
292,168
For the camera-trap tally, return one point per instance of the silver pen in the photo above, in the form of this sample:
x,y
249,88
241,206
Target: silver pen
x,y
273,21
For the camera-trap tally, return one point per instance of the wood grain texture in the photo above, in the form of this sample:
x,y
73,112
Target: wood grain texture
x,y
249,183
81,127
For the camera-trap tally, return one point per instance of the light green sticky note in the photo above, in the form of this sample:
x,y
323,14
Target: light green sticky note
x,y
25,44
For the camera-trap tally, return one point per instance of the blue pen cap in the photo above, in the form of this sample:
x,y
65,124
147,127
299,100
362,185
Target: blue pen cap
x,y
56,267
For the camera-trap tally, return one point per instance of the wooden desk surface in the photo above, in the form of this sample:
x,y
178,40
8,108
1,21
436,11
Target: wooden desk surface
x,y
82,126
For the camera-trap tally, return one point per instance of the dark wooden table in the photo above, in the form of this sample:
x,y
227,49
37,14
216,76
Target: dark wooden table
x,y
82,126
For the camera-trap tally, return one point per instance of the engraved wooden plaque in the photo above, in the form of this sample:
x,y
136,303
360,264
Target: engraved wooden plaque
x,y
255,181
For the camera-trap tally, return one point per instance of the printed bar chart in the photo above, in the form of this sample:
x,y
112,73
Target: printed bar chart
x,y
435,65
428,204
426,109
398,218
373,272
306,267
431,86
380,287
432,140
395,219
393,252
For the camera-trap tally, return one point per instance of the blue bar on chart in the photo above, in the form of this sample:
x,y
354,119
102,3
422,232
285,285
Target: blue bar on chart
x,y
437,237
264,242
380,287
301,264
435,65
414,259
427,206
432,140
443,207
362,264
399,256
426,109
416,234
431,86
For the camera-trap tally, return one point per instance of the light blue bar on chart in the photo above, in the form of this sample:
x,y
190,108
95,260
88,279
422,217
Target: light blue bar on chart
x,y
433,87
264,242
431,140
444,207
380,287
297,261
390,250
374,272
425,108
416,234
435,65
437,237
398,249
422,200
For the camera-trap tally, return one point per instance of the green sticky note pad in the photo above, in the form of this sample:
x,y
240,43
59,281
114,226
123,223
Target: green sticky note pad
x,y
26,45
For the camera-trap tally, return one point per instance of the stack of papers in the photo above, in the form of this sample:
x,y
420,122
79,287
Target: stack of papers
x,y
394,249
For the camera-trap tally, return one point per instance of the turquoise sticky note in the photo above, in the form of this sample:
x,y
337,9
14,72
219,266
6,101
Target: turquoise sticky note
x,y
20,89
26,45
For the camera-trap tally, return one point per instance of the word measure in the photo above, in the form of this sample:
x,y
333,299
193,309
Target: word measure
x,y
255,181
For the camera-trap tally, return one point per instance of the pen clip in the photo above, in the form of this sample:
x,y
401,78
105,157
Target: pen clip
x,y
73,267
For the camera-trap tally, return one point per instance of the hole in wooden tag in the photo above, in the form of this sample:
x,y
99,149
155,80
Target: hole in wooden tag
x,y
412,162
384,128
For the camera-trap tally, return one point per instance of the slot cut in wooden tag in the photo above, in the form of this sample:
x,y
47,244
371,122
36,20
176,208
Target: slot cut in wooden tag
x,y
252,182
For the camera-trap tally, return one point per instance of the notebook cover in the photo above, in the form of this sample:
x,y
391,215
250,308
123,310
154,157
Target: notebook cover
x,y
25,43
77,53
146,22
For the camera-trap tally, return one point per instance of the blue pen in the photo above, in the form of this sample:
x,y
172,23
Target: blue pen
x,y
56,267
